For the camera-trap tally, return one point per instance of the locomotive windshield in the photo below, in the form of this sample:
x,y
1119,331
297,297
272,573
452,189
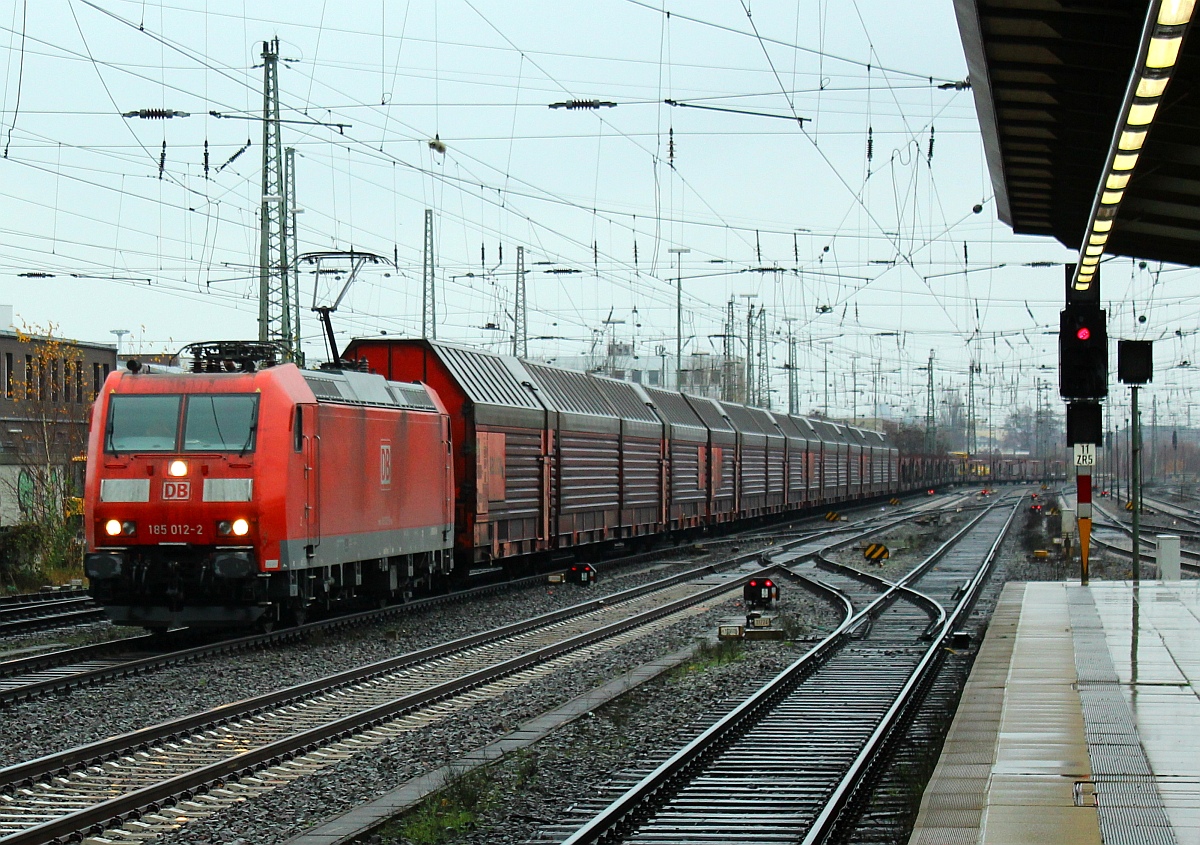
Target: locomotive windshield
x,y
211,423
221,423
142,424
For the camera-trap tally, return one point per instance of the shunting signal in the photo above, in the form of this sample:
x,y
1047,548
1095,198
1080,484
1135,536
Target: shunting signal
x,y
760,592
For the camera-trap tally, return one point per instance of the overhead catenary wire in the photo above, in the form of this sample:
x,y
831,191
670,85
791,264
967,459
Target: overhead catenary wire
x,y
576,226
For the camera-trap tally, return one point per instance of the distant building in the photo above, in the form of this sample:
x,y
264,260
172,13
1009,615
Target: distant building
x,y
703,374
44,397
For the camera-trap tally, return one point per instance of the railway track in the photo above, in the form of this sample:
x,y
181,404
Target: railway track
x,y
42,596
788,763
1189,560
19,617
30,677
81,791
27,678
1187,516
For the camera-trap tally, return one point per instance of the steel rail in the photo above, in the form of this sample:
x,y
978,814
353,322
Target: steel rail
x,y
937,613
605,825
116,809
62,682
43,596
26,610
129,806
51,620
1191,564
830,817
141,665
152,798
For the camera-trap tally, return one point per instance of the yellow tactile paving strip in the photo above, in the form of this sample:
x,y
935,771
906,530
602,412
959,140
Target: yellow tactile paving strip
x,y
1014,769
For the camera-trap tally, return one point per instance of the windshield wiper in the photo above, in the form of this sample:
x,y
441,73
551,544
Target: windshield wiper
x,y
108,438
250,434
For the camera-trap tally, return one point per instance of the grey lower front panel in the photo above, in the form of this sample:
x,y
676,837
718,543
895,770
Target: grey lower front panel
x,y
201,616
334,549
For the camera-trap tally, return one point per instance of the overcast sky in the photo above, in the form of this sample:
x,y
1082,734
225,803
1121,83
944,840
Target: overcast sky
x,y
872,261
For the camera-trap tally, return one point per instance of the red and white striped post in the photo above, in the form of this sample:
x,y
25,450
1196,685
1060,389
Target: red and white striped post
x,y
1084,458
1083,494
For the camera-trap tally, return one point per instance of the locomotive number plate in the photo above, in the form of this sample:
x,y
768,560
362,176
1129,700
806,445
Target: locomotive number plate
x,y
160,529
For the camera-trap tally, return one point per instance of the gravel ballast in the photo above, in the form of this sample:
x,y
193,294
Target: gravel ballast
x,y
47,725
663,723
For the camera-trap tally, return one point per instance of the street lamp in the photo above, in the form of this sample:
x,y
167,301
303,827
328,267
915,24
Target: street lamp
x,y
678,252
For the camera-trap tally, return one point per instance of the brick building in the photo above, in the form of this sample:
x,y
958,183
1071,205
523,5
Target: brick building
x,y
47,386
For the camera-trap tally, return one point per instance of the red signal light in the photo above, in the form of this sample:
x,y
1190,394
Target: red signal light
x,y
1083,333
767,583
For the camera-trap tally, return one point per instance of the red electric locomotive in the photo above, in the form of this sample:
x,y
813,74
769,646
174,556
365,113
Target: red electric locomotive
x,y
239,494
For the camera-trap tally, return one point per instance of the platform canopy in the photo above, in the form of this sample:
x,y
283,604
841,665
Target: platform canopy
x,y
1049,79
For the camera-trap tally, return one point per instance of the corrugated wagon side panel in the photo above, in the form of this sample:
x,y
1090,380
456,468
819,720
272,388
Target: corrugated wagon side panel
x,y
754,479
689,482
797,473
641,488
723,463
776,483
589,475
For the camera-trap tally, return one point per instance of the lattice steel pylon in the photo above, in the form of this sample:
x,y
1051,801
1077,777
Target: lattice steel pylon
x,y
751,381
972,436
729,370
293,245
930,413
793,375
428,288
764,368
274,282
520,318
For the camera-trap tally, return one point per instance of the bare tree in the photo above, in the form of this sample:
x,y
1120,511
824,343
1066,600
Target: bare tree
x,y
47,436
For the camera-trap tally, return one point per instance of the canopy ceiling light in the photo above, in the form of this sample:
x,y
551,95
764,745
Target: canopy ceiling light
x,y
1166,23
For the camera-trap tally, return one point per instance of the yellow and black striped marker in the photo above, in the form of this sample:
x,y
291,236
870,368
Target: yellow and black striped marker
x,y
1129,505
1054,511
876,551
832,516
894,501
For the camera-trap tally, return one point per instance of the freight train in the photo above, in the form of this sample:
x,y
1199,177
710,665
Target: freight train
x,y
243,492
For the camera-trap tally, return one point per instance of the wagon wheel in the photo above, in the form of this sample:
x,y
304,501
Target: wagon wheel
x,y
298,612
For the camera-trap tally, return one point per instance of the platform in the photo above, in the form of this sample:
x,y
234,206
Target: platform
x,y
1080,722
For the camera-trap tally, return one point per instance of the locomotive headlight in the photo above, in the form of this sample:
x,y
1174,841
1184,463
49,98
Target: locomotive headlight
x,y
177,469
115,527
238,527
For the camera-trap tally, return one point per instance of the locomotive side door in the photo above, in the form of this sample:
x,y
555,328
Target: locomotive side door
x,y
310,450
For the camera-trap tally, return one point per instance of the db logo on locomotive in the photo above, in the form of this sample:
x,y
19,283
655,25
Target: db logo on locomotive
x,y
175,491
385,464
